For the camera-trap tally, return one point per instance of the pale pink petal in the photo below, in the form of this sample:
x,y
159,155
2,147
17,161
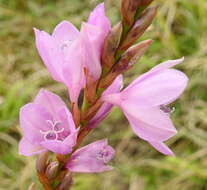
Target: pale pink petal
x,y
33,119
50,101
150,124
92,148
105,109
28,149
93,35
56,146
91,158
167,64
61,147
50,53
66,119
73,68
161,147
93,41
100,115
71,139
157,89
115,87
99,19
65,31
115,98
160,67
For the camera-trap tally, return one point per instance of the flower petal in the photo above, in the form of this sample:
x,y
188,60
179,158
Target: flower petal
x,y
150,124
56,146
87,160
33,119
71,139
50,53
66,119
93,41
51,102
161,147
99,19
160,67
65,31
73,74
167,64
160,88
28,149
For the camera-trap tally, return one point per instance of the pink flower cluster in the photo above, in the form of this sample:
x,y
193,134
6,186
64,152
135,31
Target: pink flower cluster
x,y
47,123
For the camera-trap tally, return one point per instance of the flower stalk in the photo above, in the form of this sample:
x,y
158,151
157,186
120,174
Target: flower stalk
x,y
91,63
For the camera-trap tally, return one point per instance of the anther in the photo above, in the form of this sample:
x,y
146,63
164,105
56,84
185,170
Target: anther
x,y
167,109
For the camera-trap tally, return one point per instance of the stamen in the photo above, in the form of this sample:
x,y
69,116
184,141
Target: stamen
x,y
55,130
167,109
57,127
51,136
102,155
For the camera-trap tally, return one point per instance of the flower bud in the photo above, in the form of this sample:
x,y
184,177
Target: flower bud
x,y
51,170
42,162
131,56
128,11
66,182
139,28
131,8
110,46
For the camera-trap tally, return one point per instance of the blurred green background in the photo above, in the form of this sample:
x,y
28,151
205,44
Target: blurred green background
x,y
180,29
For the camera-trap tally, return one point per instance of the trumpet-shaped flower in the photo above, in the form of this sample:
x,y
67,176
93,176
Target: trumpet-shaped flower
x,y
92,158
47,125
67,51
144,103
93,34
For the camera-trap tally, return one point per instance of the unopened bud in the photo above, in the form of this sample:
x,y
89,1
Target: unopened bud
x,y
42,162
143,22
130,9
66,182
131,56
110,46
143,5
52,170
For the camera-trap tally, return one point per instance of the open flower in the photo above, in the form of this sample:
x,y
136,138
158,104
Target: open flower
x,y
67,51
61,53
144,103
47,125
91,158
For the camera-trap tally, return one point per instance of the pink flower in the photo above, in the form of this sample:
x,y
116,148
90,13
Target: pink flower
x,y
91,158
93,34
47,125
61,53
105,109
67,51
144,103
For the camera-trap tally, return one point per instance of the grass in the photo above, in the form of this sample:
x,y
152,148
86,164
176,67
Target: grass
x,y
178,30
